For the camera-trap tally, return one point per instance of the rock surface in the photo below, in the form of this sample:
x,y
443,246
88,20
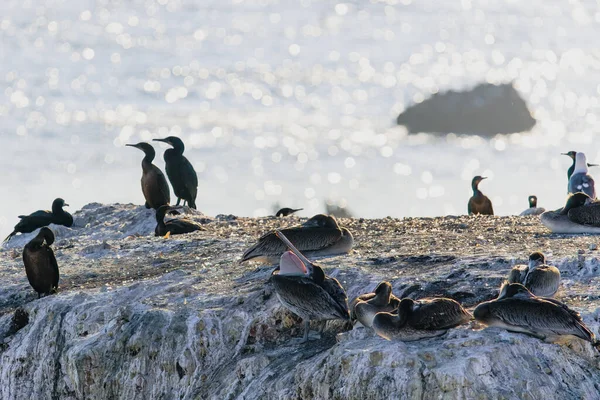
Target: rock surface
x,y
143,317
485,110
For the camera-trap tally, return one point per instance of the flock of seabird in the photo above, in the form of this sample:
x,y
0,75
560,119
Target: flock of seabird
x,y
525,302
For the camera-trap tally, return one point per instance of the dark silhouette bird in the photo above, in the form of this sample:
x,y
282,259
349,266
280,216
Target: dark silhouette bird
x,y
180,171
581,180
366,306
40,218
303,288
154,184
572,154
540,279
284,212
479,203
420,319
40,264
579,215
518,310
533,208
319,236
175,226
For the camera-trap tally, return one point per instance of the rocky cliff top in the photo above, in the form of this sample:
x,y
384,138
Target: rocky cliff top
x,y
139,316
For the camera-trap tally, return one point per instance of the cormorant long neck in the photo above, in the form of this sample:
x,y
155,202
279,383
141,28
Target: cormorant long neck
x,y
149,155
571,169
475,187
160,215
178,146
57,209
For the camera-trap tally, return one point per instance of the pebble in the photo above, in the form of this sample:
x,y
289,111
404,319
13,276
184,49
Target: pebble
x,y
593,246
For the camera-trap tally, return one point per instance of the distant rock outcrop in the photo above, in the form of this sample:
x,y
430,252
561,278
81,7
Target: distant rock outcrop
x,y
485,110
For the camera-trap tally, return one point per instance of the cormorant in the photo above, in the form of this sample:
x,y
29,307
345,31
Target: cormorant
x,y
174,226
154,184
40,264
420,319
540,279
579,215
303,288
581,180
518,310
479,203
533,208
40,218
319,236
573,154
366,306
180,171
284,212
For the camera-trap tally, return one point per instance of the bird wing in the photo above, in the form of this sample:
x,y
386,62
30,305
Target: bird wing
x,y
586,215
53,265
304,238
441,313
582,182
334,288
34,220
176,226
163,186
190,177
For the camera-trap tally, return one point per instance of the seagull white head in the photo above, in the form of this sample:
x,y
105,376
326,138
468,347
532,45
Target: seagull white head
x,y
580,164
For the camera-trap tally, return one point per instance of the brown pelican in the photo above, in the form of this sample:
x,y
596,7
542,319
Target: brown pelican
x,y
40,218
420,319
284,212
533,208
541,279
579,215
365,306
518,310
319,236
581,180
173,226
154,184
303,288
479,203
40,264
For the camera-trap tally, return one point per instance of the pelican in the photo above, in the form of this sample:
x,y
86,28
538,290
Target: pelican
x,y
540,279
366,306
579,215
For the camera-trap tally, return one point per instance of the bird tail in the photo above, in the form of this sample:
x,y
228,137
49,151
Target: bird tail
x,y
192,204
9,237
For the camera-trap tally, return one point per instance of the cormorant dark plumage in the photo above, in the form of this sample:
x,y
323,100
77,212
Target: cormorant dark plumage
x,y
173,226
533,208
419,319
581,180
479,203
40,264
154,184
180,171
573,154
518,310
319,236
40,218
284,212
579,215
304,289
366,306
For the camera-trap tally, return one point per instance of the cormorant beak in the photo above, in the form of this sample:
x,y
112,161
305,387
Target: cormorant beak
x,y
592,165
65,205
564,154
132,145
483,177
293,248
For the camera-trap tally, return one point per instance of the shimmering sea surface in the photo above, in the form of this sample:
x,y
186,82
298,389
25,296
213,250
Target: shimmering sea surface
x,y
289,101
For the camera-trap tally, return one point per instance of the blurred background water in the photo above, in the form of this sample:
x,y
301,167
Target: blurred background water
x,y
290,102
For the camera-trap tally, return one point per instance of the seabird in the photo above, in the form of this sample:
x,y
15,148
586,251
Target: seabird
x,y
366,306
154,184
174,226
319,236
581,180
284,212
40,218
533,208
479,203
579,215
572,154
420,319
40,264
180,171
303,288
518,310
540,279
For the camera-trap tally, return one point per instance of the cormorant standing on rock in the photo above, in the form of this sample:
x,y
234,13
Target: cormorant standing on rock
x,y
40,218
284,212
180,171
154,184
479,203
40,264
173,226
573,155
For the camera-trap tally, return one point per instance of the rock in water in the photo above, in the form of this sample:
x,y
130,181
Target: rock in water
x,y
485,110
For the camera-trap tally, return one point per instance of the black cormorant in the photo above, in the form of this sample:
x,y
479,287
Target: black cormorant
x,y
40,218
180,171
573,154
174,226
154,184
40,264
284,212
479,203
